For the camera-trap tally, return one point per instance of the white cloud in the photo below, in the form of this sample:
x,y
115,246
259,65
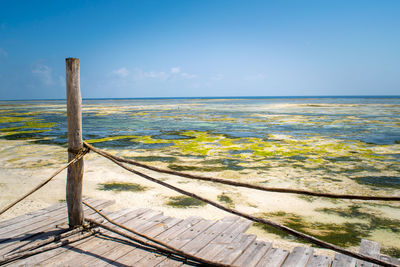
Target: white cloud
x,y
121,72
217,77
43,73
173,74
187,75
255,77
175,70
3,53
155,75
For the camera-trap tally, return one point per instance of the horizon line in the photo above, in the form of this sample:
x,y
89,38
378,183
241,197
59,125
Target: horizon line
x,y
212,97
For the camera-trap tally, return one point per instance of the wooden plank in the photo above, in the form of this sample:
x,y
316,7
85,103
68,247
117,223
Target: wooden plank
x,y
253,254
200,241
30,215
23,233
226,238
167,262
187,233
226,233
90,249
390,259
119,250
163,236
369,248
194,245
341,260
230,253
104,249
52,231
181,227
45,217
52,224
164,226
319,261
298,257
34,259
20,225
273,258
40,257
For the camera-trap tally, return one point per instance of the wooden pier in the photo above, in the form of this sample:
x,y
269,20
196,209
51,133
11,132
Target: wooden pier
x,y
223,241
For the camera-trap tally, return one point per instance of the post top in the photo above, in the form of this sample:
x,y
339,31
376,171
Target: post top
x,y
72,59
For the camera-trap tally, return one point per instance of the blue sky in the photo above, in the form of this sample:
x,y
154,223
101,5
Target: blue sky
x,y
200,48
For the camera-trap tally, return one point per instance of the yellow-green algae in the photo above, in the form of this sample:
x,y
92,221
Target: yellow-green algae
x,y
22,133
342,234
109,138
11,119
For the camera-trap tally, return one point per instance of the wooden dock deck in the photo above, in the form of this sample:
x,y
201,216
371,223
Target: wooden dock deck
x,y
222,241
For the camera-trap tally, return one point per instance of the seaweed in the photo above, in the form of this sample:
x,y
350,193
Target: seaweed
x,y
346,234
379,181
184,202
225,198
120,186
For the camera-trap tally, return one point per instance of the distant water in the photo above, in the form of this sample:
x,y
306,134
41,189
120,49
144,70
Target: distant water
x,y
372,120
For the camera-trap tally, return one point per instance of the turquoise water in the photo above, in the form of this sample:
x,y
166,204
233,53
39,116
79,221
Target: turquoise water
x,y
369,120
231,133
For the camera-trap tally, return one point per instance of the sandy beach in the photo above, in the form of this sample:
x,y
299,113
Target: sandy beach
x,y
37,162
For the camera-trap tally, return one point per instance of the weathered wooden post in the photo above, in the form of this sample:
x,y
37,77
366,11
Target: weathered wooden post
x,y
75,143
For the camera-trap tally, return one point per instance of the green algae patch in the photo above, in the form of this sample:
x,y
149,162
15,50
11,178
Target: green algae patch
x,y
225,199
35,124
347,234
12,119
391,251
109,138
177,167
154,158
22,135
119,187
373,221
145,139
380,181
185,202
9,129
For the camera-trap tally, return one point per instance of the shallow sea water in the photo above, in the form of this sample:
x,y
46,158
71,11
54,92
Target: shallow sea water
x,y
339,145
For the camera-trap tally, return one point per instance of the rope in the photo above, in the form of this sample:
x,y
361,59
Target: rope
x,y
40,243
283,228
75,159
169,249
239,184
37,250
